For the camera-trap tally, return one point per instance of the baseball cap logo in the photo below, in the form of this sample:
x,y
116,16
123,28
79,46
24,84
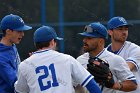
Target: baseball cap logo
x,y
122,20
88,29
21,20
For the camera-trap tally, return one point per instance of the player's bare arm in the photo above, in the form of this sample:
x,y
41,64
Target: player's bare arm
x,y
126,86
131,66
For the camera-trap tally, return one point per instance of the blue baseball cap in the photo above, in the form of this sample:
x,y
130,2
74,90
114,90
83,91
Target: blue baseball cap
x,y
95,30
13,22
116,22
44,34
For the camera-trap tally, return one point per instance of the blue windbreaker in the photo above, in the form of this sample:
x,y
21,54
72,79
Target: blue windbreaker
x,y
9,59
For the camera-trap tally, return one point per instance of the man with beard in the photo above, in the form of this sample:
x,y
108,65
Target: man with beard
x,y
95,35
118,30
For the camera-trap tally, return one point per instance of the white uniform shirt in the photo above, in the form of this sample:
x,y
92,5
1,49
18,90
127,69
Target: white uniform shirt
x,y
131,53
48,71
117,65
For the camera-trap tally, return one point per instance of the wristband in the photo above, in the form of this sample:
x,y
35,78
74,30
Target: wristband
x,y
121,86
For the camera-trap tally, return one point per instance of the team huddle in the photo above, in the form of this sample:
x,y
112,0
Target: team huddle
x,y
100,69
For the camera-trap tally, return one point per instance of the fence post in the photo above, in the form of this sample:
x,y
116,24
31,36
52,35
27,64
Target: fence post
x,y
61,26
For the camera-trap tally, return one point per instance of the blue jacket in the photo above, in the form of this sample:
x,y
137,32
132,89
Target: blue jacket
x,y
8,68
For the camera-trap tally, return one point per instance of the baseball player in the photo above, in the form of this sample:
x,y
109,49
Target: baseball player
x,y
12,27
118,30
123,79
48,71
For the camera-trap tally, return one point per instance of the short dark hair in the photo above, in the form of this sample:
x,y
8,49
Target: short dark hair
x,y
40,45
4,32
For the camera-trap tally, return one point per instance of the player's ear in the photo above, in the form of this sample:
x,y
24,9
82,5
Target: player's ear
x,y
52,42
8,31
110,32
101,41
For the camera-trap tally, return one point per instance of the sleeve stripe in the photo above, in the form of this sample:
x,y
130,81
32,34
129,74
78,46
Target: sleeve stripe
x,y
132,78
134,63
134,81
87,79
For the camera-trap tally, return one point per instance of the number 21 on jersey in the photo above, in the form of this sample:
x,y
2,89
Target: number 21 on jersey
x,y
53,82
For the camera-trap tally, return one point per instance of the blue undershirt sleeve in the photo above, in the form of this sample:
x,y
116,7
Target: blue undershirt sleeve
x,y
93,87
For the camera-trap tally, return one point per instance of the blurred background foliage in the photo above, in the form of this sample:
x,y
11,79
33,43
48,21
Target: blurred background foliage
x,y
74,11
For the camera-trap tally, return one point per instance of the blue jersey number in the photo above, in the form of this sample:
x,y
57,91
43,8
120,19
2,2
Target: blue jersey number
x,y
46,74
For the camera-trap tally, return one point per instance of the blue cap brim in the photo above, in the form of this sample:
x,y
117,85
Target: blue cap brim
x,y
128,25
88,35
58,38
23,28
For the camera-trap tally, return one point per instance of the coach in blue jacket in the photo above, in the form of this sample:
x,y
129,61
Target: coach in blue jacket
x,y
12,27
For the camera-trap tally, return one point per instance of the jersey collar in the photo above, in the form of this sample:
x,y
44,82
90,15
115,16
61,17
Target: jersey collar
x,y
40,51
116,52
100,52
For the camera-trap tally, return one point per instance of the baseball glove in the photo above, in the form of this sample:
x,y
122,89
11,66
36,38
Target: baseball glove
x,y
101,72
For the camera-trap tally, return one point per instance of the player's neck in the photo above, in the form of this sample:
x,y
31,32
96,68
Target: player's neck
x,y
50,47
115,46
44,48
96,51
6,41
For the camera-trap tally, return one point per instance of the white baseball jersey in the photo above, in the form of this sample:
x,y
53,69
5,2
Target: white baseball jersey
x,y
131,53
48,71
117,65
